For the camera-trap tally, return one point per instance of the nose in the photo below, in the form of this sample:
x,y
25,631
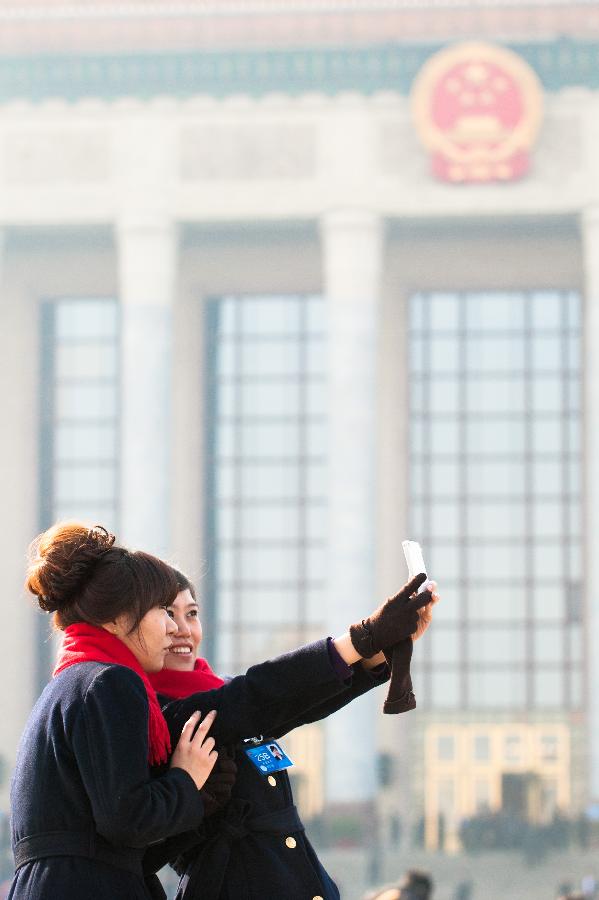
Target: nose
x,y
183,628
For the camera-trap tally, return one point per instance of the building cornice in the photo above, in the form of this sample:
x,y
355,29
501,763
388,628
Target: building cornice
x,y
367,70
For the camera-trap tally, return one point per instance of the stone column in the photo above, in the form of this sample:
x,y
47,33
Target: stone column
x,y
590,237
147,264
352,250
19,470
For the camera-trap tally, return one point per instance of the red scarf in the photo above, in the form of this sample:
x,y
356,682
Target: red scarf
x,y
89,643
177,684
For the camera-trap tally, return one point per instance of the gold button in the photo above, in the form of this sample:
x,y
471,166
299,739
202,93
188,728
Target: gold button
x,y
317,898
291,842
272,781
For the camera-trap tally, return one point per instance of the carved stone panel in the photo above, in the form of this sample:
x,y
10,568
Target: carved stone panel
x,y
56,156
247,152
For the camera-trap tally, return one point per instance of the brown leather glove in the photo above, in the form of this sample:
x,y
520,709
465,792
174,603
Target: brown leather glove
x,y
216,792
394,621
400,695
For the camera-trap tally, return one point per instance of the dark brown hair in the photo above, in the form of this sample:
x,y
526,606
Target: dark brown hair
x,y
184,584
80,575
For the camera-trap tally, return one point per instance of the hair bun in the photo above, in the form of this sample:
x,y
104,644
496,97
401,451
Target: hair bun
x,y
62,559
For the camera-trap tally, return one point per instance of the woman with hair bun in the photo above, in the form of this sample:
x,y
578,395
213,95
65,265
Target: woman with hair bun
x,y
85,803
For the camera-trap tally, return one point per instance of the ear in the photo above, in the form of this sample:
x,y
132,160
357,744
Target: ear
x,y
114,627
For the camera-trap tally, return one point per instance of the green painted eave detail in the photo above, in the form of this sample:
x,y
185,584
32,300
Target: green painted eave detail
x,y
562,63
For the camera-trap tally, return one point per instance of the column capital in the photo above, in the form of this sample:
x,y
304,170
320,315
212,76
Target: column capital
x,y
351,218
141,222
589,217
147,258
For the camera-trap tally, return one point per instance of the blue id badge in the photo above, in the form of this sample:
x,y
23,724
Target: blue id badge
x,y
268,757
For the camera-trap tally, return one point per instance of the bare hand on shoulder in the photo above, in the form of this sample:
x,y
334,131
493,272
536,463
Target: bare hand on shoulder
x,y
195,752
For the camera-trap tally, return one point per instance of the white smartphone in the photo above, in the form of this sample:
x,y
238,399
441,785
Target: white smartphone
x,y
415,560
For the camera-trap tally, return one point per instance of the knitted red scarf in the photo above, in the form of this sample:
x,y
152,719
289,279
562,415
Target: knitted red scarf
x,y
88,643
177,684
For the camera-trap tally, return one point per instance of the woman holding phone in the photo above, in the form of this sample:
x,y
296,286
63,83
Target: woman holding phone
x,y
256,848
87,798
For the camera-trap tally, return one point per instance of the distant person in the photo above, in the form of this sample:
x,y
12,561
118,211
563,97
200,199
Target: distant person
x,y
463,891
415,885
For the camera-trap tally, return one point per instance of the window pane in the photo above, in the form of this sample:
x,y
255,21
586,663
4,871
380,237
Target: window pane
x,y
496,478
443,354
269,357
269,480
495,312
548,687
272,315
445,689
495,603
549,645
481,748
263,398
443,395
496,645
86,482
547,353
86,319
504,688
443,312
497,436
496,354
496,520
82,442
547,311
86,360
495,395
445,645
445,747
269,438
84,401
269,523
547,436
497,561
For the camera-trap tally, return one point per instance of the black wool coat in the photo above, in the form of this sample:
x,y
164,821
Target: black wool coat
x,y
256,848
83,796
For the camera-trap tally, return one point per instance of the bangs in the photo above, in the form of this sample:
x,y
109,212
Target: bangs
x,y
155,583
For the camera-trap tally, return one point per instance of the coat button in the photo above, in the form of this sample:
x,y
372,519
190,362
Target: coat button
x,y
291,842
317,898
272,781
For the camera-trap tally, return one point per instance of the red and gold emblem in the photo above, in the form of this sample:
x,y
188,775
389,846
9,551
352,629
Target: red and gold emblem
x,y
477,109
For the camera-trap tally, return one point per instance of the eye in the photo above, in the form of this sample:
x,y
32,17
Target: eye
x,y
193,613
170,612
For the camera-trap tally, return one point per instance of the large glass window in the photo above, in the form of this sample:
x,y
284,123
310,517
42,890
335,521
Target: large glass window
x,y
79,422
79,409
495,388
266,511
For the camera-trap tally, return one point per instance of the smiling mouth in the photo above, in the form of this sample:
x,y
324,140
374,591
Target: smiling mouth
x,y
181,650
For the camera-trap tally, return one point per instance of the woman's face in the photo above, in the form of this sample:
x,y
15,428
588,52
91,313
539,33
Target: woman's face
x,y
150,641
188,636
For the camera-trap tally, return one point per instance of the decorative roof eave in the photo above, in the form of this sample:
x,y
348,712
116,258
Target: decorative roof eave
x,y
141,26
366,70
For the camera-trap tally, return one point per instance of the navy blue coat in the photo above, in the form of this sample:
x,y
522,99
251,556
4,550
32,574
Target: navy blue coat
x,y
256,849
82,783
